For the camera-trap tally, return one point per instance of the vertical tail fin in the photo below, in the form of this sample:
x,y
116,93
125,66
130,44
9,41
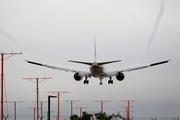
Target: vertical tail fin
x,y
95,47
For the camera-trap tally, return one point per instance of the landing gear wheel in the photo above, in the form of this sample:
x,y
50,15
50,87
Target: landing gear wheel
x,y
86,81
110,81
100,82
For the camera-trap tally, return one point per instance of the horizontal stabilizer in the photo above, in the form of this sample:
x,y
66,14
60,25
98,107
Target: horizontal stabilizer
x,y
99,63
86,63
103,63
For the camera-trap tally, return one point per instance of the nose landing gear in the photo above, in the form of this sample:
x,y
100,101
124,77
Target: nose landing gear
x,y
110,81
100,82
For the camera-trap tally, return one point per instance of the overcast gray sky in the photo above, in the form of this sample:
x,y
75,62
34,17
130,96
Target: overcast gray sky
x,y
57,30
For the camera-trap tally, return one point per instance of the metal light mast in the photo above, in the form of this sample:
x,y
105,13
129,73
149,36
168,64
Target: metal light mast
x,y
81,107
41,104
2,74
34,109
15,103
127,111
71,102
44,78
102,102
127,108
49,100
58,93
47,113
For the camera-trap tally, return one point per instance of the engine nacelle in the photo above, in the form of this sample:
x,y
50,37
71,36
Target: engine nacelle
x,y
77,77
120,76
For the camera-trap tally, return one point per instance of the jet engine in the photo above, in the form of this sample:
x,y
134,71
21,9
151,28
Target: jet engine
x,y
120,76
77,77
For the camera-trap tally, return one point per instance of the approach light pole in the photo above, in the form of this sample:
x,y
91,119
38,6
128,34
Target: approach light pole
x,y
127,111
15,103
2,75
58,93
41,105
71,102
34,109
37,88
49,97
102,102
127,107
81,107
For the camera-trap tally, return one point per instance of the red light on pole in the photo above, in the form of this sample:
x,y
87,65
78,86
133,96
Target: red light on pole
x,y
71,102
102,102
2,74
37,89
58,93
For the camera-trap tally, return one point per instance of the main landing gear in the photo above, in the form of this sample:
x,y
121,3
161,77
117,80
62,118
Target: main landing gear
x,y
86,81
110,81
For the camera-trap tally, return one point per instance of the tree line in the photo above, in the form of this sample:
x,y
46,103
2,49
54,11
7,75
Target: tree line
x,y
98,116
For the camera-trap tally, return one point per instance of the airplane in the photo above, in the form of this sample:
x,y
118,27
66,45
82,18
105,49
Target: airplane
x,y
97,70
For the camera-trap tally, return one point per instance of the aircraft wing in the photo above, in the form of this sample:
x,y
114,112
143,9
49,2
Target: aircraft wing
x,y
128,69
54,66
